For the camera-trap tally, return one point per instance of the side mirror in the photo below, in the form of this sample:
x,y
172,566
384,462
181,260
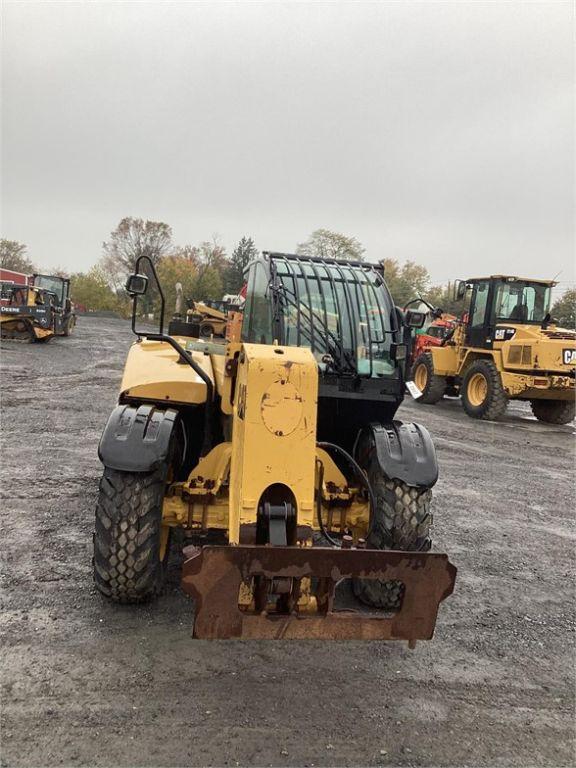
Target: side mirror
x,y
137,285
415,319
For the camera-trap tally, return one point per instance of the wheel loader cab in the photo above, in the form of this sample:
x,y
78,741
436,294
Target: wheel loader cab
x,y
279,457
504,301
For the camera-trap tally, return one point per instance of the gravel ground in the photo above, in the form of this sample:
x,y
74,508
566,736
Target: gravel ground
x,y
87,683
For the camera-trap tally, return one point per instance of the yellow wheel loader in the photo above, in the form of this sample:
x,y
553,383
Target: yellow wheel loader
x,y
305,504
507,346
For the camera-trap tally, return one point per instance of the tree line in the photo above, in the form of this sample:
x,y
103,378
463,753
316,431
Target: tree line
x,y
207,272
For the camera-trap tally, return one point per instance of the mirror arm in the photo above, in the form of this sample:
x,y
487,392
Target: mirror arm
x,y
162,337
160,291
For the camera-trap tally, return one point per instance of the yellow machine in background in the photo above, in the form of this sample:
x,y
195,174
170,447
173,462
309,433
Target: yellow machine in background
x,y
36,312
26,313
507,347
203,319
211,321
279,457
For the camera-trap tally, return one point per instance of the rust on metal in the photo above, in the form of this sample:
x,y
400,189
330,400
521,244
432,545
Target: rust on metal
x,y
213,575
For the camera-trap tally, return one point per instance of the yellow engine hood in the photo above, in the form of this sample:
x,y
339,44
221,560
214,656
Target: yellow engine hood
x,y
152,372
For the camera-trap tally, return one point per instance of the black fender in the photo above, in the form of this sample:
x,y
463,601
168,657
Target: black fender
x,y
137,439
404,452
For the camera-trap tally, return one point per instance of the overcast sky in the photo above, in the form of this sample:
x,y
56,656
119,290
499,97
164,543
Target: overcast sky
x,y
439,132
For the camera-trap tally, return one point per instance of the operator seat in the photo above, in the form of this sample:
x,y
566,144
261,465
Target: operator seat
x,y
519,312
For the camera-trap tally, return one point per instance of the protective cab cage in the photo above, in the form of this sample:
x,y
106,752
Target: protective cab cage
x,y
342,310
59,287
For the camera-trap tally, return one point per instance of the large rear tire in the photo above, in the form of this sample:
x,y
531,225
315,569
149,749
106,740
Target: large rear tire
x,y
402,521
554,411
131,546
483,395
432,386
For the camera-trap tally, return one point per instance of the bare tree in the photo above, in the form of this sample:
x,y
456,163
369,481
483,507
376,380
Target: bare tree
x,y
13,256
213,267
331,245
190,253
133,238
405,281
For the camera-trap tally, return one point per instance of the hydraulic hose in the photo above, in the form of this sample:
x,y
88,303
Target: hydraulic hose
x,y
325,533
361,476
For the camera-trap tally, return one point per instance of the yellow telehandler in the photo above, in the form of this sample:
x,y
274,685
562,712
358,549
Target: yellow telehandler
x,y
507,346
306,505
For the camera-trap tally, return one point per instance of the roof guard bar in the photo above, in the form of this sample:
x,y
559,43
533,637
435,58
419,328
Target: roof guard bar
x,y
368,323
298,308
311,315
339,310
322,297
305,276
351,313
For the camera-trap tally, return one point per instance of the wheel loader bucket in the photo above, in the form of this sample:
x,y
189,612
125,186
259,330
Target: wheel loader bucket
x,y
220,577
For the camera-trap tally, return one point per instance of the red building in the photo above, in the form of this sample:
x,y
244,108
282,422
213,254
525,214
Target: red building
x,y
9,277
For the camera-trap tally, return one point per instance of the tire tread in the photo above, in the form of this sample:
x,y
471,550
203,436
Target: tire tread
x,y
403,521
127,568
554,411
497,401
435,385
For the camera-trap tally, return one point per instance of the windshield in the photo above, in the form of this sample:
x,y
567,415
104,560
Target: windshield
x,y
53,284
13,294
343,313
522,302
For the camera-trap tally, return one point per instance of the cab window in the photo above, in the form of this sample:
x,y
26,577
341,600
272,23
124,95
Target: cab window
x,y
480,304
522,302
257,321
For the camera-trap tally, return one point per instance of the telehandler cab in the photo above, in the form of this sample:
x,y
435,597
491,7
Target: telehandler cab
x,y
507,346
280,458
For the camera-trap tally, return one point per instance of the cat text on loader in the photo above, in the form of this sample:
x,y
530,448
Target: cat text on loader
x,y
506,347
279,456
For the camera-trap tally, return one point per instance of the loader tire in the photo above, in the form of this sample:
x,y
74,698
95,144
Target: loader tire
x,y
483,395
131,546
69,326
432,386
206,330
402,521
554,411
